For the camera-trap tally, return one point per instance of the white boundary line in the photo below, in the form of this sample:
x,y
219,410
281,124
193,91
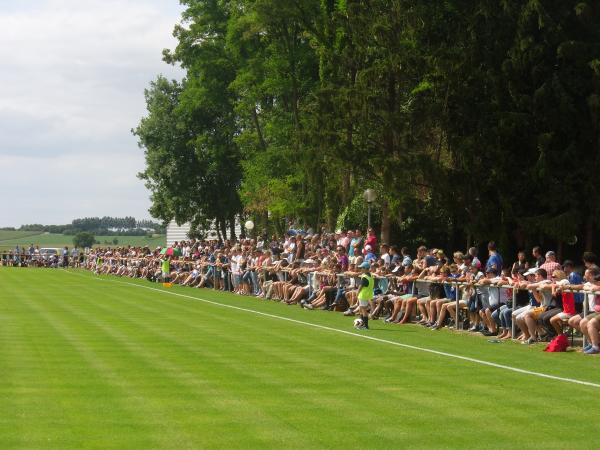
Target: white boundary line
x,y
363,336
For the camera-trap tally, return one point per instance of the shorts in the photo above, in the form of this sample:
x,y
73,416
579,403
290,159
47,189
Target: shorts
x,y
537,312
564,316
363,303
520,313
423,300
594,315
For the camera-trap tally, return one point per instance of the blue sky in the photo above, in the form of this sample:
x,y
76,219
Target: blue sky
x,y
71,88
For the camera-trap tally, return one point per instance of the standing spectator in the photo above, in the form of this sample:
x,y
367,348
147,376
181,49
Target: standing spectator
x,y
537,254
521,264
474,259
347,237
300,249
589,259
406,259
396,257
369,255
65,257
385,255
371,238
551,265
495,260
574,278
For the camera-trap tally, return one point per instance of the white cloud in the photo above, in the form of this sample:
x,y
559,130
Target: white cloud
x,y
71,89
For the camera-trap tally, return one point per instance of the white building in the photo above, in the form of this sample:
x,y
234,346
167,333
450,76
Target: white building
x,y
177,232
180,232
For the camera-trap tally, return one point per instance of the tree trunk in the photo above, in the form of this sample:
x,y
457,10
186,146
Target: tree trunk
x,y
261,138
223,227
232,235
385,222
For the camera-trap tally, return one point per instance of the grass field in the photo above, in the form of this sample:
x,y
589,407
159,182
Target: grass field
x,y
16,235
89,362
10,239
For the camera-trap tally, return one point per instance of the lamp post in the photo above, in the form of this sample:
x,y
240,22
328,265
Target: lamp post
x,y
249,225
369,195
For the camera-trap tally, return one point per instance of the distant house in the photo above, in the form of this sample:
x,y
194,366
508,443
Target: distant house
x,y
177,232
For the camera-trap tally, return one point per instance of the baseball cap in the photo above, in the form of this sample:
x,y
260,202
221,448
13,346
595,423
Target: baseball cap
x,y
365,265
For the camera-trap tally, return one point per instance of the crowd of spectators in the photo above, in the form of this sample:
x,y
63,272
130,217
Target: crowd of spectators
x,y
542,296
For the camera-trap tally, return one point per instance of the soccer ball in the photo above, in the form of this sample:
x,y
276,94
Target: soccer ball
x,y
358,323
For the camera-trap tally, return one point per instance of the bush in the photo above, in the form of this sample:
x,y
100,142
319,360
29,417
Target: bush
x,y
84,239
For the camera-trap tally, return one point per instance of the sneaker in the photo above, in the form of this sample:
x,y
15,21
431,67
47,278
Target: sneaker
x,y
472,329
348,312
592,351
309,306
529,341
435,327
587,347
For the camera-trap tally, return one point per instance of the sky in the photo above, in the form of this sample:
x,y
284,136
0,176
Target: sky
x,y
72,80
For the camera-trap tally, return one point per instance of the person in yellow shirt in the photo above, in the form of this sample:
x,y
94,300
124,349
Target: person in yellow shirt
x,y
365,295
166,268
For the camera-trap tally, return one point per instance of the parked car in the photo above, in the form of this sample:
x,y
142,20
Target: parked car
x,y
47,253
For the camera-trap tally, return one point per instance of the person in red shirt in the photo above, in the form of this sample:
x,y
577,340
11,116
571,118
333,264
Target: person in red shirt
x,y
568,300
371,238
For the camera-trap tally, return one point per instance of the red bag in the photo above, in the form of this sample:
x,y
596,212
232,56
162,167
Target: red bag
x,y
559,344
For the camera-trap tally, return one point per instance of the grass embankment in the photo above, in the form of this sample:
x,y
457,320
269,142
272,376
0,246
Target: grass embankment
x,y
10,239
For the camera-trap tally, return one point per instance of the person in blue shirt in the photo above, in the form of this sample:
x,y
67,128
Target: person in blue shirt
x,y
438,312
574,278
495,260
370,256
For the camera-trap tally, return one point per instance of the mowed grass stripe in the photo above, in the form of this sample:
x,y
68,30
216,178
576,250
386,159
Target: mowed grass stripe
x,y
49,376
261,349
568,365
171,356
102,397
232,379
484,388
155,355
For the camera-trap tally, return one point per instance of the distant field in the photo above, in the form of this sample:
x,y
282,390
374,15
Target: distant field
x,y
10,239
9,235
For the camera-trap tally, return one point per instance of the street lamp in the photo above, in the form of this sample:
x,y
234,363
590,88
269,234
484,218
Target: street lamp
x,y
369,195
249,226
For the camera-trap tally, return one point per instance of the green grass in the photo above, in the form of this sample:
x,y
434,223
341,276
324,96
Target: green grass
x,y
16,235
88,362
24,239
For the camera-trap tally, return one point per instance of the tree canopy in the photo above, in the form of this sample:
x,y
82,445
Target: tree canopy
x,y
473,120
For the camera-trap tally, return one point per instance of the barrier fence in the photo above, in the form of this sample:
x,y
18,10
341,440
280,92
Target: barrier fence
x,y
220,271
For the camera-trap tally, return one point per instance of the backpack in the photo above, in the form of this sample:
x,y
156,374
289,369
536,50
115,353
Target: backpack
x,y
558,344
